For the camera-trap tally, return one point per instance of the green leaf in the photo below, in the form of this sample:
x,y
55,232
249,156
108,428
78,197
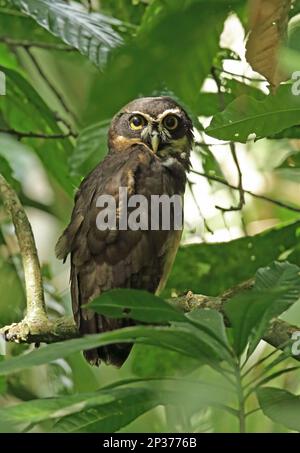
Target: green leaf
x,y
276,288
209,104
148,308
128,405
139,305
87,412
7,172
245,116
24,110
209,162
280,406
91,147
94,35
150,361
212,323
96,412
200,267
182,339
152,61
18,26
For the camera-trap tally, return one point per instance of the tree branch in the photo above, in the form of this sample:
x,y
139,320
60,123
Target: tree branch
x,y
48,82
232,146
249,192
36,327
40,45
278,334
24,134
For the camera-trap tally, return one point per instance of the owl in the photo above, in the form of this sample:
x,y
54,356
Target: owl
x,y
149,144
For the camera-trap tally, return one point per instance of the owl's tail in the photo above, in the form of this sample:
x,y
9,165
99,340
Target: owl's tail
x,y
114,354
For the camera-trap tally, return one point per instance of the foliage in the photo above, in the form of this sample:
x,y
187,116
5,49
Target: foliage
x,y
68,71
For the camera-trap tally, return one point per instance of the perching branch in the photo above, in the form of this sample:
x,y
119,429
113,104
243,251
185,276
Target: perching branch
x,y
36,327
279,333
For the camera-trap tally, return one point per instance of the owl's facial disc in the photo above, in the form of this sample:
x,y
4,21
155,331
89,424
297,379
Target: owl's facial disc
x,y
157,122
157,133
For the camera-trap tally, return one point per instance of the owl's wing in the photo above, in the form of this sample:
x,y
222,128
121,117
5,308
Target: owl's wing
x,y
102,260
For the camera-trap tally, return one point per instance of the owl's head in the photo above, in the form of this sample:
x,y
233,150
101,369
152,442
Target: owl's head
x,y
160,123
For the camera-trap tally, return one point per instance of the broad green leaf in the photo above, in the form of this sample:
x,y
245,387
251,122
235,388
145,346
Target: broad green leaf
x,y
94,35
148,308
152,62
150,361
181,339
290,132
283,275
200,267
96,412
285,278
276,288
91,147
15,25
70,411
280,406
139,305
245,116
109,417
128,11
178,393
211,323
209,162
24,110
209,104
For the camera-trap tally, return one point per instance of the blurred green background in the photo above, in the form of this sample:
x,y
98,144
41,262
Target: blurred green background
x,y
147,47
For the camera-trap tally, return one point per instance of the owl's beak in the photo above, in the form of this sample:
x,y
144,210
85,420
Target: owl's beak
x,y
155,141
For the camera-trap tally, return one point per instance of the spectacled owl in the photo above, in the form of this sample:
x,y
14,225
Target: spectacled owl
x,y
149,144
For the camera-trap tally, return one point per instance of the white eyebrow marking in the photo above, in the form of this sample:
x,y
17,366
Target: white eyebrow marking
x,y
149,118
168,112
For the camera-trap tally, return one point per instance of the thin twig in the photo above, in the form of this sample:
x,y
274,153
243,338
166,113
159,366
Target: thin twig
x,y
190,185
232,150
252,79
197,143
249,192
50,84
240,188
90,6
34,44
25,134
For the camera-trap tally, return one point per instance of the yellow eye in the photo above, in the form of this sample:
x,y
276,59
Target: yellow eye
x,y
137,122
171,122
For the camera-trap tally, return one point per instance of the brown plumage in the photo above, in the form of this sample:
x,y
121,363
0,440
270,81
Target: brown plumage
x,y
102,260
